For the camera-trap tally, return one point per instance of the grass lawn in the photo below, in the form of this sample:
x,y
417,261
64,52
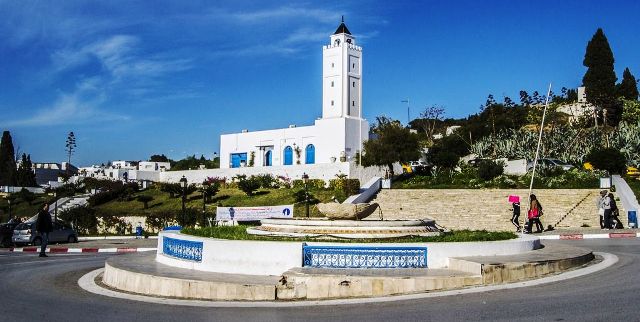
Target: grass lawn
x,y
240,233
225,197
21,208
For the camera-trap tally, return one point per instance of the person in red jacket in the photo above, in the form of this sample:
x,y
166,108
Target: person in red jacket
x,y
535,211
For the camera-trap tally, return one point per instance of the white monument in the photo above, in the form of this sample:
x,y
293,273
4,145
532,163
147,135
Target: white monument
x,y
335,137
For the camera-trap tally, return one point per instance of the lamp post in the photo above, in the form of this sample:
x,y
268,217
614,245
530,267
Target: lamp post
x,y
55,209
183,184
9,202
305,180
205,185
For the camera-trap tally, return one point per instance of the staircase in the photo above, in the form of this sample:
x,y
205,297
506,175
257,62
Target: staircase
x,y
488,208
65,203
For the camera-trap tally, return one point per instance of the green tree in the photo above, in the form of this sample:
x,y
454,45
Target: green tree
x,y
600,79
8,171
631,112
248,185
191,162
70,146
393,143
609,159
25,175
628,88
145,200
159,158
27,195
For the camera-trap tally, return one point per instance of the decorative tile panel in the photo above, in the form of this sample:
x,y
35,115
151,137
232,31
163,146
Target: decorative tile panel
x,y
182,249
364,257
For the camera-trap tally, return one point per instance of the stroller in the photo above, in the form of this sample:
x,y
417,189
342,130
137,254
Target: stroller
x,y
616,223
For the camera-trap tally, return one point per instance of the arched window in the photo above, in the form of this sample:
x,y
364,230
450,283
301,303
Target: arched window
x,y
310,154
288,156
267,159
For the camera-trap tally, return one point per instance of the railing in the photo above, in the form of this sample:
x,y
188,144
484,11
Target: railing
x,y
363,257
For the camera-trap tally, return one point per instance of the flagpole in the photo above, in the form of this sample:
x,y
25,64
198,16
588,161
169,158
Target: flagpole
x,y
535,161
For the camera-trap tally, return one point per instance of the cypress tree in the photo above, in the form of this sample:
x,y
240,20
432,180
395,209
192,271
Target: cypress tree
x,y
7,160
629,87
25,175
600,79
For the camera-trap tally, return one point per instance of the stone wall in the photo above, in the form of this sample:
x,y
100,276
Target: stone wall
x,y
488,208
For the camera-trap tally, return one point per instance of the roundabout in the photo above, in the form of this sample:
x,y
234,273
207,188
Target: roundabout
x,y
60,281
192,267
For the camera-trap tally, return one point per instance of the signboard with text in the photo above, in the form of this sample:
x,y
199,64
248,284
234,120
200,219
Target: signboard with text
x,y
254,213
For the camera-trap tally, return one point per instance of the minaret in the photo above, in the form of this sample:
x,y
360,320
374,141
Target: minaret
x,y
342,76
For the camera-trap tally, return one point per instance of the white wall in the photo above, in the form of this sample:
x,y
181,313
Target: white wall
x,y
275,258
317,171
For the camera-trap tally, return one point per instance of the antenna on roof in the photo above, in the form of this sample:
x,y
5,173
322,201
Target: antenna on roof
x,y
342,18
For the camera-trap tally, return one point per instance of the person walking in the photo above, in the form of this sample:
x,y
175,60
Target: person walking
x,y
606,204
535,211
516,215
600,206
614,219
44,226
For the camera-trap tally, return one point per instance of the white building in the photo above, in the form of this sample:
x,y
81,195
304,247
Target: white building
x,y
337,136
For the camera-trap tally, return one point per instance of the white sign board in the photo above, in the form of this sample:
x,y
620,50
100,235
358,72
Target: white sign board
x,y
605,183
254,213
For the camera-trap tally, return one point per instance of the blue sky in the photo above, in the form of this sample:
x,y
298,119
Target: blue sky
x,y
135,78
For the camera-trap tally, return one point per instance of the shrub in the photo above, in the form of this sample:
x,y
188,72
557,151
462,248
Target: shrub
x,y
311,184
488,170
299,196
248,185
145,200
210,190
83,218
445,160
27,195
609,159
119,191
347,186
118,225
155,221
266,181
189,218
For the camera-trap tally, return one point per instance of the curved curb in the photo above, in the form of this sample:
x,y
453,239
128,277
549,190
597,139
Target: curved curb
x,y
87,282
36,249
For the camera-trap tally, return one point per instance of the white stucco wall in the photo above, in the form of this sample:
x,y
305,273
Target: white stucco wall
x,y
275,258
317,171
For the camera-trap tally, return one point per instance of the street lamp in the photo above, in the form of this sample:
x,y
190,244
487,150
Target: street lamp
x,y
55,209
205,185
9,202
305,180
183,184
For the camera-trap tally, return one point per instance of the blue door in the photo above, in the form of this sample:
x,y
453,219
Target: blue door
x,y
267,159
237,158
310,154
288,156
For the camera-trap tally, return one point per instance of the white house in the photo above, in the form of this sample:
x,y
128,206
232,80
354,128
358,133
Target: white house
x,y
337,136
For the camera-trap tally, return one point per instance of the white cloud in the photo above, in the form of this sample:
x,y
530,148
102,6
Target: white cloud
x,y
273,15
70,109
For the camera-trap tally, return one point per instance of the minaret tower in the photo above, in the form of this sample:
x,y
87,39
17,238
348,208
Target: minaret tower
x,y
342,76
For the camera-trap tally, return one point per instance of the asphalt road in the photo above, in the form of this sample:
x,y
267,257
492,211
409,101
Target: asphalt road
x,y
45,289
